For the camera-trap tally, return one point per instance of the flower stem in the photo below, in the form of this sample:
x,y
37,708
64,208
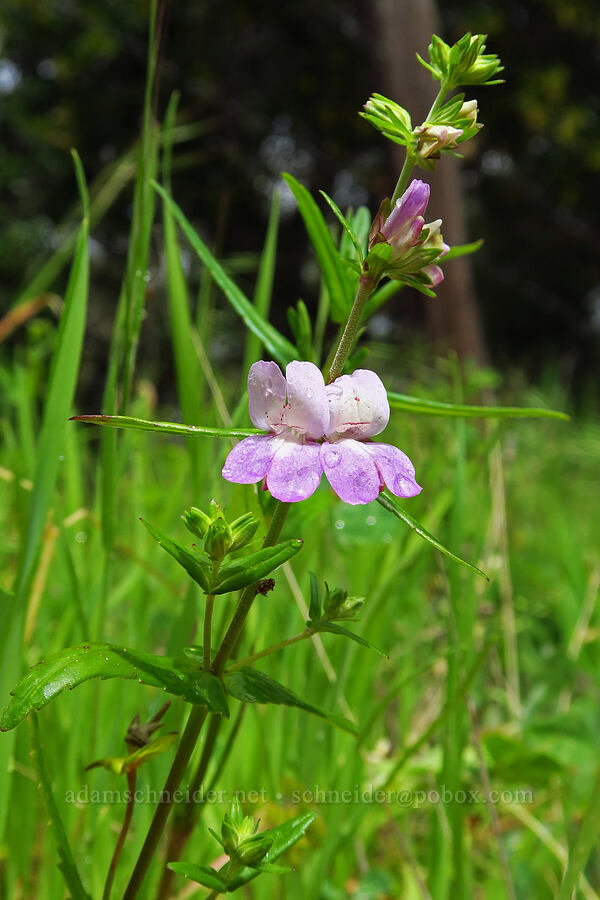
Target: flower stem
x,y
402,182
110,877
268,650
208,616
365,286
249,593
196,720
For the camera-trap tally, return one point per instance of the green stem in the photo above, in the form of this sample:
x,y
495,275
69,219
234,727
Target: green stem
x,y
402,182
182,757
249,593
268,650
208,616
196,721
110,877
365,286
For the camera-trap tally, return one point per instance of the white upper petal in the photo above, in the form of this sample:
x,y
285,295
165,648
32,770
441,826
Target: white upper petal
x,y
358,405
307,409
266,395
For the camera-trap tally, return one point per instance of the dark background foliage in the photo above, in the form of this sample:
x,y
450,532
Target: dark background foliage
x,y
279,86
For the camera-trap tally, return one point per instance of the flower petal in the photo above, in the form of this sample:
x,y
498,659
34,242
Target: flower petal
x,y
395,468
307,409
350,471
295,472
249,460
358,405
266,394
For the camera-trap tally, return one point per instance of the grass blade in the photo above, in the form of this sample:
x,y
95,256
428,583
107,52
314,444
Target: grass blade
x,y
437,408
280,348
334,271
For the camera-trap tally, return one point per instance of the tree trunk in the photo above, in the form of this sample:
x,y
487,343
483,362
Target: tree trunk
x,y
401,28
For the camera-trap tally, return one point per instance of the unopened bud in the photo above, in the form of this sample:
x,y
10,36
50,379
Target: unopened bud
x,y
254,849
469,111
218,539
432,139
243,530
196,521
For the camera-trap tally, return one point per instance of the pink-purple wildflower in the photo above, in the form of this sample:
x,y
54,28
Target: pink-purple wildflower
x,y
315,428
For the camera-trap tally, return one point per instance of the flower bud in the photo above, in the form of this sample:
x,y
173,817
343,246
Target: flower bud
x,y
196,521
403,226
432,139
218,539
469,111
243,530
254,849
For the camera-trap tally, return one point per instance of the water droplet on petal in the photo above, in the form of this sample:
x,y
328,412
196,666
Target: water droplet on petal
x,y
309,393
332,458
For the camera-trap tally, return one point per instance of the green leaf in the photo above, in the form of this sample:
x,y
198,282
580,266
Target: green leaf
x,y
338,629
388,502
202,874
437,408
196,568
284,837
71,667
315,608
252,568
345,224
168,427
332,266
67,864
462,250
251,686
279,347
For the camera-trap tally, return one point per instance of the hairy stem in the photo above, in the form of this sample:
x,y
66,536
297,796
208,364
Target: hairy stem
x,y
365,286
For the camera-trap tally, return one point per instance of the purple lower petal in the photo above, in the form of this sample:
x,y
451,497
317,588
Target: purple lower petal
x,y
395,468
295,472
350,471
249,460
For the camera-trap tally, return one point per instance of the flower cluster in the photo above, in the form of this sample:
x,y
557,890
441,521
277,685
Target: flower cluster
x,y
315,428
415,246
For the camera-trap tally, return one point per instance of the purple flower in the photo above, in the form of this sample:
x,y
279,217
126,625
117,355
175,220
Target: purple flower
x,y
315,428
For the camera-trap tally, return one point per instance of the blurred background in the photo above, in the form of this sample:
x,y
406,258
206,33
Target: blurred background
x,y
277,87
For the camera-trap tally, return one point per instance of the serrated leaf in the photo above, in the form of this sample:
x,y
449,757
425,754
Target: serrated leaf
x,y
284,837
71,667
129,422
252,568
345,224
332,267
389,502
196,568
251,686
437,408
201,874
280,348
338,629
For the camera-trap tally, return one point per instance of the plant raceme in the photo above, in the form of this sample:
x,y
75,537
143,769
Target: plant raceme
x,y
315,428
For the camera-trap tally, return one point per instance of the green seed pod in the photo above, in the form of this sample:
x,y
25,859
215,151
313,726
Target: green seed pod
x,y
196,521
243,530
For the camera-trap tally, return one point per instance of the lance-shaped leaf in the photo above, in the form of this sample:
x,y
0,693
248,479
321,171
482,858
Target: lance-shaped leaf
x,y
120,764
280,348
334,628
250,686
336,279
252,568
129,422
345,225
71,667
197,568
203,875
437,408
388,502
